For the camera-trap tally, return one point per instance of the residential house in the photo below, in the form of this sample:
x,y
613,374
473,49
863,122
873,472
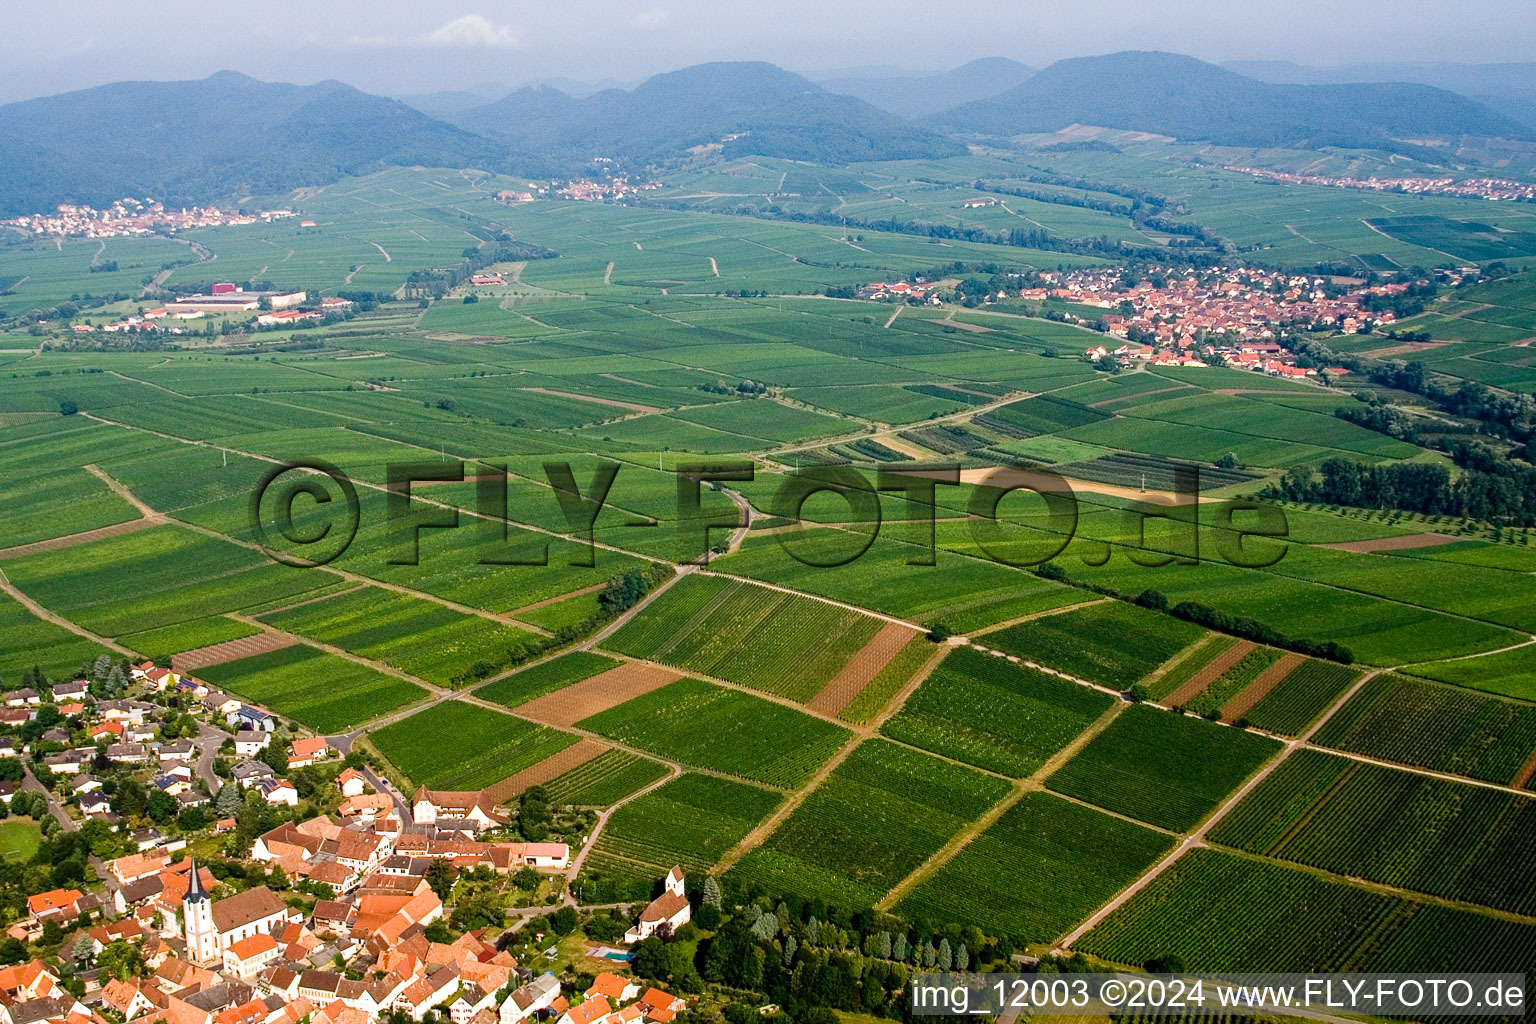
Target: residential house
x,y
351,782
249,772
73,690
537,995
246,957
304,752
55,903
250,742
278,792
247,717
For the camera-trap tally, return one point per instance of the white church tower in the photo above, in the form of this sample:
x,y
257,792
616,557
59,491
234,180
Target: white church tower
x,y
197,914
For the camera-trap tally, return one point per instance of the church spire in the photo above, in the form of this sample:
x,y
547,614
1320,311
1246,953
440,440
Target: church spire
x,y
195,891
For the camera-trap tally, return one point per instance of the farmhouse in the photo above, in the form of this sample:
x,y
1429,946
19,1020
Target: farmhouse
x,y
428,806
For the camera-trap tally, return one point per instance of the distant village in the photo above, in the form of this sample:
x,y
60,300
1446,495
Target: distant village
x,y
1191,317
1499,189
131,217
584,190
208,947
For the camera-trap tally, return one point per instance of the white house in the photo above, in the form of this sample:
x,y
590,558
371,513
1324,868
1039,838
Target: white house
x,y
250,742
428,805
278,791
351,782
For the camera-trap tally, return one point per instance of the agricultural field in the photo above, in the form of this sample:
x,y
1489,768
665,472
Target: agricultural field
x,y
1303,695
1432,725
980,785
995,715
322,691
766,639
691,822
1508,673
964,593
1415,832
1227,686
153,578
30,641
1209,654
427,640
459,746
545,677
1166,769
888,682
1062,861
1224,912
161,644
881,813
58,504
605,780
707,726
1113,643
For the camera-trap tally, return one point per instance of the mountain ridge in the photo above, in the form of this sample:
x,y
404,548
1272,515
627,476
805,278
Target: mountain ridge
x,y
777,113
1186,98
924,95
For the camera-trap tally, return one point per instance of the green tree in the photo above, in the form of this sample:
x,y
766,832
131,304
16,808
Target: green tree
x,y
160,806
650,959
121,960
229,801
533,814
440,877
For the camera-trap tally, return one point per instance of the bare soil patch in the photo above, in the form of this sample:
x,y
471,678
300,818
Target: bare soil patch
x,y
116,530
1407,542
552,767
230,650
960,325
631,406
1213,671
861,670
1257,690
1524,778
603,691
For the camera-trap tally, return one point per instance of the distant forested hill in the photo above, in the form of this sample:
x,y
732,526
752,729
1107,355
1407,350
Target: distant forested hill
x,y
922,95
1190,99
186,142
775,112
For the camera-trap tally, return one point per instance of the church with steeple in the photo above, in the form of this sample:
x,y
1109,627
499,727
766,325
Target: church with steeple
x,y
210,927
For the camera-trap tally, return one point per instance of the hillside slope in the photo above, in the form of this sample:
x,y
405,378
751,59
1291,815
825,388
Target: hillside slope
x,y
923,95
774,113
195,141
1189,99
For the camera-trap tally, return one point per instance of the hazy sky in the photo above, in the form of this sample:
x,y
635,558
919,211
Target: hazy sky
x,y
399,47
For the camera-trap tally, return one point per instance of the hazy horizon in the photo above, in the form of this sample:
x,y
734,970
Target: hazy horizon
x,y
396,48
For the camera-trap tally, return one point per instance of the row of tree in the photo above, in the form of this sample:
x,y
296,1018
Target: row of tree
x,y
1488,489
